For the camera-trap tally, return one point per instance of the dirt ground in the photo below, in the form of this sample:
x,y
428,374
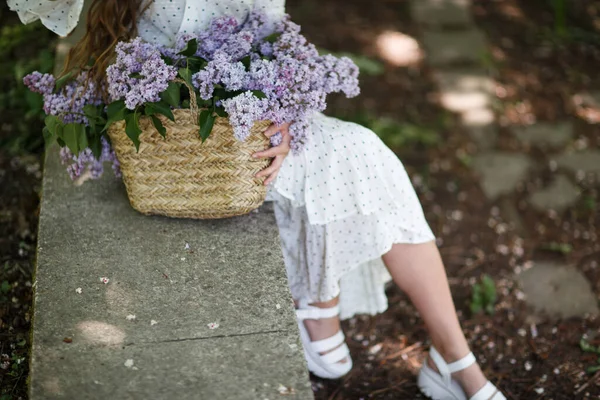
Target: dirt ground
x,y
528,359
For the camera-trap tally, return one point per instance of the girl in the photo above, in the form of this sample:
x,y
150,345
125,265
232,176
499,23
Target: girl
x,y
348,217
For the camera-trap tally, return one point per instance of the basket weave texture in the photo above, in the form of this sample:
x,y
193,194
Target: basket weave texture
x,y
179,176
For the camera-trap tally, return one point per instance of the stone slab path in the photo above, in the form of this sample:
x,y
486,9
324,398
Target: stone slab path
x,y
456,49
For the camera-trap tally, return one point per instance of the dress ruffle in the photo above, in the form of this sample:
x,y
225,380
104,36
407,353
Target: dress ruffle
x,y
60,16
340,205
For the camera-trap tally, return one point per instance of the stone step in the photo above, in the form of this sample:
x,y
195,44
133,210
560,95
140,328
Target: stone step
x,y
145,334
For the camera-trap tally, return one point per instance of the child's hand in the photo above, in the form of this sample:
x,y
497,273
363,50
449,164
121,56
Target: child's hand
x,y
279,152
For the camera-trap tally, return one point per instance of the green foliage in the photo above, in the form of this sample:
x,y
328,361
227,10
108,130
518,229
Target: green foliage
x,y
23,49
397,134
567,26
483,296
563,248
588,348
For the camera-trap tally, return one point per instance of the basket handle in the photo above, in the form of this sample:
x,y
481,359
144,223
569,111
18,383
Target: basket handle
x,y
193,101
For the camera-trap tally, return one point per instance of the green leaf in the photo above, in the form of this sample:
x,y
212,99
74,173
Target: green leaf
x,y
585,346
259,94
221,112
61,82
272,38
186,75
171,95
72,135
190,48
5,287
132,128
206,121
592,369
96,145
136,75
116,112
159,126
196,63
159,108
51,122
48,136
246,61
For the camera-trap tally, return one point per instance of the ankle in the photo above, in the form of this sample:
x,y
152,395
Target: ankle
x,y
451,354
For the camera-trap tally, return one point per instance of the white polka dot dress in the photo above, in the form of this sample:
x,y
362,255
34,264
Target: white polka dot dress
x,y
340,204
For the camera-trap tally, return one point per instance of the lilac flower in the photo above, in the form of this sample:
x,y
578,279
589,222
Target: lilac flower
x,y
243,110
213,38
76,165
68,103
238,45
139,74
40,83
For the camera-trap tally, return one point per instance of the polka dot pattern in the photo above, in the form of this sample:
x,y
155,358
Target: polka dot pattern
x,y
340,205
60,16
159,23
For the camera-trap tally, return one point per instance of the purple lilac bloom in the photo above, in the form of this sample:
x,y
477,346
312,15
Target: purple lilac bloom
x,y
68,103
212,39
290,72
133,58
40,83
76,165
243,110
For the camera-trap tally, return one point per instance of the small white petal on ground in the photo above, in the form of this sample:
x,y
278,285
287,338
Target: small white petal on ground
x,y
130,317
187,246
104,280
528,365
375,349
153,322
78,290
213,325
539,390
129,363
286,390
278,306
182,258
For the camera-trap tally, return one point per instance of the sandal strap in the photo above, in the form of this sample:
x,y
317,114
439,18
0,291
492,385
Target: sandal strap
x,y
447,369
488,392
336,355
313,312
329,343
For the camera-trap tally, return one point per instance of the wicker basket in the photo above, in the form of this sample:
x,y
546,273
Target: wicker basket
x,y
179,176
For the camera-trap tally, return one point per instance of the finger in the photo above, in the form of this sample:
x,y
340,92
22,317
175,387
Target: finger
x,y
275,165
271,178
272,130
282,149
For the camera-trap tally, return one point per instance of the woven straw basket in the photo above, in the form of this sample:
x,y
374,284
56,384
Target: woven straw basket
x,y
179,176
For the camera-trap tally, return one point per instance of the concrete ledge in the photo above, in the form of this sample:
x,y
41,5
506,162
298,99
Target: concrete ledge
x,y
232,274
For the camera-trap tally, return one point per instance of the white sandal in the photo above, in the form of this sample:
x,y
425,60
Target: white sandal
x,y
441,386
323,365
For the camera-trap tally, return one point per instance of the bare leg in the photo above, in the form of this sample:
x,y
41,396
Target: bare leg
x,y
418,270
324,327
